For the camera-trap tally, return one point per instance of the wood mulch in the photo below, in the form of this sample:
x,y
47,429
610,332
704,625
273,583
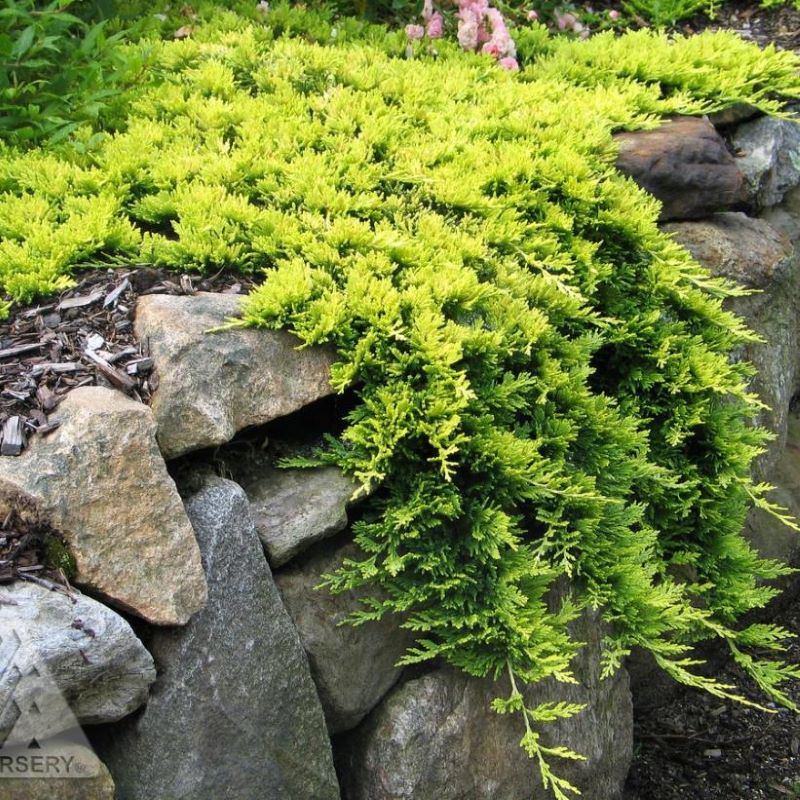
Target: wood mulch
x,y
22,554
84,337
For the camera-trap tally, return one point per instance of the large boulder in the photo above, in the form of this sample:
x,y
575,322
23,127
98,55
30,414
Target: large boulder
x,y
85,654
211,385
353,667
294,508
768,155
436,738
100,481
756,256
234,712
685,164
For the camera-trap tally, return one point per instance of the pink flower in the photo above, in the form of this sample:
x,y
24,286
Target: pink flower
x,y
427,10
614,14
415,32
564,21
470,14
482,24
479,6
533,15
500,43
435,26
468,33
509,63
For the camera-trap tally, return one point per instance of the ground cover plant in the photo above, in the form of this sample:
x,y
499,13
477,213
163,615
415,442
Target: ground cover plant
x,y
543,381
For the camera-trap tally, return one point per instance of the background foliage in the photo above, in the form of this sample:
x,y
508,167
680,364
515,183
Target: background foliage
x,y
57,70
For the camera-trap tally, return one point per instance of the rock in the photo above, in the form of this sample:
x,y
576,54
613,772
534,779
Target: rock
x,y
755,255
293,508
91,656
785,217
733,245
99,786
234,712
733,115
768,535
436,737
99,480
211,385
768,155
353,667
685,164
651,687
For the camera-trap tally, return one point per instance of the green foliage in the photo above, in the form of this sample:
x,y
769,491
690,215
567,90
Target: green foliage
x,y
543,377
668,12
378,10
700,73
531,741
56,70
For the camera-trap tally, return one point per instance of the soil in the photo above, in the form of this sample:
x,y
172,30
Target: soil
x,y
698,747
777,26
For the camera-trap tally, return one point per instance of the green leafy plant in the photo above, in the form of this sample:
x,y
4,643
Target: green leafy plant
x,y
56,70
544,386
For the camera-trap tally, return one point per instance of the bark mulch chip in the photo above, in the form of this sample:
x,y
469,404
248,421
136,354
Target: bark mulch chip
x,y
29,551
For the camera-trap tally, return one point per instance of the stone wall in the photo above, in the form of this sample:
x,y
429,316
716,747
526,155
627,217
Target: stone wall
x,y
199,652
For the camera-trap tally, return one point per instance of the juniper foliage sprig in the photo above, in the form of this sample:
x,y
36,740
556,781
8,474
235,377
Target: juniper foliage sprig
x,y
543,378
